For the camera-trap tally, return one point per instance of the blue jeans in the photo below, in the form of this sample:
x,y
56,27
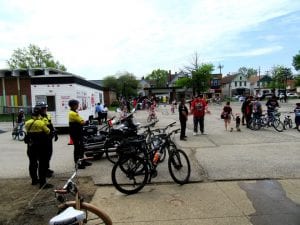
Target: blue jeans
x,y
200,121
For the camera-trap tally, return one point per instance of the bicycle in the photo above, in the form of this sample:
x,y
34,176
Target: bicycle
x,y
265,120
18,132
137,164
77,211
287,122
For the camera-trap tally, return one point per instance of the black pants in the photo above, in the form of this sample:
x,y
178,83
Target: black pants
x,y
78,148
248,119
49,151
38,161
183,127
200,121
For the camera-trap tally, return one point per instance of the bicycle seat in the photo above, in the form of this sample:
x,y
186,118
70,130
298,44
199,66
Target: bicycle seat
x,y
69,216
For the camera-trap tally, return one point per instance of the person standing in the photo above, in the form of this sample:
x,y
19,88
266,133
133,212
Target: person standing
x,y
38,134
243,109
227,114
46,117
75,128
248,110
297,116
198,108
98,112
183,117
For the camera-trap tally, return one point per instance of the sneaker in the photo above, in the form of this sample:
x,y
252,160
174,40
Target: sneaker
x,y
81,167
86,163
231,129
49,173
182,139
203,133
195,133
34,182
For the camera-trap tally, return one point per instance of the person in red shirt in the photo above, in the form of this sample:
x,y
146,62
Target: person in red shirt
x,y
198,108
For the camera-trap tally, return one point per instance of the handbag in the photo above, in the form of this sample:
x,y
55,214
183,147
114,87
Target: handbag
x,y
223,115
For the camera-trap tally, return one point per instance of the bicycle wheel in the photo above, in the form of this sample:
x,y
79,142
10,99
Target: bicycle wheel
x,y
21,135
278,125
14,135
149,119
111,151
255,124
290,123
93,214
130,175
179,166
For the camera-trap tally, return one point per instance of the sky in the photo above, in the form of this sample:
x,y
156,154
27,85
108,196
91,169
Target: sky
x,y
95,38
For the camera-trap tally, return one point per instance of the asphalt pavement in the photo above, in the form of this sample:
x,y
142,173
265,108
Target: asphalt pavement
x,y
246,177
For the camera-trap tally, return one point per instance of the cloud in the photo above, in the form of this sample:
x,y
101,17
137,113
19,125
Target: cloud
x,y
95,38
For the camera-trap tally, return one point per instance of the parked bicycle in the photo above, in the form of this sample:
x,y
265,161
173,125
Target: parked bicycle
x,y
137,164
287,121
18,132
76,211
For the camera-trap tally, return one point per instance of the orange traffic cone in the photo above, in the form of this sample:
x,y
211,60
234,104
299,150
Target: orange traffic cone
x,y
70,141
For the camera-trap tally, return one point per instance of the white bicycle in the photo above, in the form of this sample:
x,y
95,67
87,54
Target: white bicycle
x,y
77,211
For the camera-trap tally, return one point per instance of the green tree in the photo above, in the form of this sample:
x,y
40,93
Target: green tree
x,y
297,79
296,61
125,84
159,76
33,57
247,71
129,84
201,77
280,75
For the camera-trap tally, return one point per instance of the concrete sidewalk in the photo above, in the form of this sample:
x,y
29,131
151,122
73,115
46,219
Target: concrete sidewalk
x,y
264,202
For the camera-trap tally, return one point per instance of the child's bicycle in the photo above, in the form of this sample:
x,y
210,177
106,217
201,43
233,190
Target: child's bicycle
x,y
287,121
77,211
18,132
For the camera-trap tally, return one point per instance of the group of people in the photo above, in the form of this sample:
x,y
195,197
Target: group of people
x,y
252,108
101,112
40,133
198,108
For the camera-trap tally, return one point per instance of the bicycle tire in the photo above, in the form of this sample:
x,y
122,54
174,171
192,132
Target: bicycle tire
x,y
130,175
278,125
255,124
14,135
290,123
111,151
149,119
87,207
178,161
21,135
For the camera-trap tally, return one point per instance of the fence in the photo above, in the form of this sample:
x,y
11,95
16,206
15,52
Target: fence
x,y
15,109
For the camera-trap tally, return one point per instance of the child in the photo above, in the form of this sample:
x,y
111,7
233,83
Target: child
x,y
297,115
237,122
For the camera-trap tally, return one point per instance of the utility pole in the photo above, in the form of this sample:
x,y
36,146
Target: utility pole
x,y
259,80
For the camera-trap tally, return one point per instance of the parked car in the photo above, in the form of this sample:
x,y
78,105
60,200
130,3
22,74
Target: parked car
x,y
292,94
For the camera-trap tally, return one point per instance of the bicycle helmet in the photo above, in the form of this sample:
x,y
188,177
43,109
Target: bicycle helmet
x,y
41,105
73,102
36,111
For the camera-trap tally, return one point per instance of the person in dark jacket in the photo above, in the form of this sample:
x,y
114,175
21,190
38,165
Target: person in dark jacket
x,y
243,110
38,134
248,110
183,117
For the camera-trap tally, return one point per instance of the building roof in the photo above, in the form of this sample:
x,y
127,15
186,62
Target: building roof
x,y
227,79
253,79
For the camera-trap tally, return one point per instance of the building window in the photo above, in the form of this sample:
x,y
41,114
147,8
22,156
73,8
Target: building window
x,y
240,83
240,78
245,83
235,83
49,100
